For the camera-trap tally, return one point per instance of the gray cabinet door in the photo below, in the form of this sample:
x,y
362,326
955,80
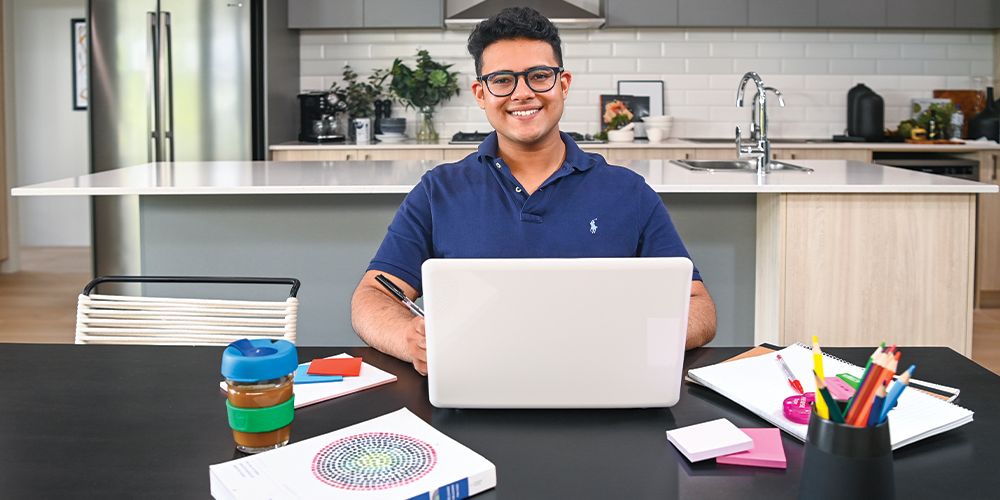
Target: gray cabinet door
x,y
404,13
712,12
325,14
976,13
920,14
852,14
641,13
783,13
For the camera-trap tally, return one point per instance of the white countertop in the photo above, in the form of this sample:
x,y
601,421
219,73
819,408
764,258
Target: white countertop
x,y
411,144
362,177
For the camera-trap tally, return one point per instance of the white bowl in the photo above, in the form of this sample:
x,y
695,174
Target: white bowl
x,y
664,130
656,121
655,135
621,136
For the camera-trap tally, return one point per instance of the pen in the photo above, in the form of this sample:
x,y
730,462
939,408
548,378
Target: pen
x,y
792,381
396,292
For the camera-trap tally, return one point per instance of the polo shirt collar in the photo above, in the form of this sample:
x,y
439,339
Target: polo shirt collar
x,y
575,157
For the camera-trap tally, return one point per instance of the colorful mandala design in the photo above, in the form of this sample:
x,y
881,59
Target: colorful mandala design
x,y
373,461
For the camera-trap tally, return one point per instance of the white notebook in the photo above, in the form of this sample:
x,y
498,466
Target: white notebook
x,y
397,455
759,385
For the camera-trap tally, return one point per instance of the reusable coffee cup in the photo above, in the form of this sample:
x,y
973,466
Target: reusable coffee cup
x,y
260,402
363,130
844,461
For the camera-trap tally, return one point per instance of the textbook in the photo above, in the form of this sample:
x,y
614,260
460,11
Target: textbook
x,y
757,384
397,455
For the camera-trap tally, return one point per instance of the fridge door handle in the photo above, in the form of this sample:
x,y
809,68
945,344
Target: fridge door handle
x,y
152,136
168,60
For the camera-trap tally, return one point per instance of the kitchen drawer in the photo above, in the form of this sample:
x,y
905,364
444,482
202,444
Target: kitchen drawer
x,y
821,154
620,155
375,154
314,154
454,155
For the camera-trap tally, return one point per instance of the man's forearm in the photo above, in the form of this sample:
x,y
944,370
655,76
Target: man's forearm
x,y
381,322
701,321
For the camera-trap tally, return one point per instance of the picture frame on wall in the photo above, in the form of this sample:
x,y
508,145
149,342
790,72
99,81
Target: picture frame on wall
x,y
650,89
81,87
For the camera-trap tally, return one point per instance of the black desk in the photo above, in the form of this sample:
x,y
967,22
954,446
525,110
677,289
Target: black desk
x,y
128,421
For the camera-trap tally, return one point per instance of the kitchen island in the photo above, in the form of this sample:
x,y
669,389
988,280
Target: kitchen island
x,y
853,252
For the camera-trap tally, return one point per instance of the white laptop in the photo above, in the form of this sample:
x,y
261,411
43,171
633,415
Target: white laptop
x,y
556,333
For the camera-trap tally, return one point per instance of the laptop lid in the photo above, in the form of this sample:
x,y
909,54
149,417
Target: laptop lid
x,y
556,333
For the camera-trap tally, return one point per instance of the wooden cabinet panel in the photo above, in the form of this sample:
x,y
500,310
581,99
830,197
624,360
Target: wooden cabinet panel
x,y
403,13
715,154
988,234
325,14
454,155
783,13
821,154
712,12
314,154
852,14
920,14
400,154
620,155
641,13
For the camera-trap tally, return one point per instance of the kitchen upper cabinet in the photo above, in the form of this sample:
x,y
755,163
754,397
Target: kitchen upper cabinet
x,y
641,13
325,14
712,12
977,14
404,13
852,14
365,13
920,14
783,13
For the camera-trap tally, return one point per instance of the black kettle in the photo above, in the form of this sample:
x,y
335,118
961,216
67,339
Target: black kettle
x,y
987,123
865,113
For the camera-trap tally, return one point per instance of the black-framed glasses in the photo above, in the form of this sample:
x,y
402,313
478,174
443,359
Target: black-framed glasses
x,y
539,79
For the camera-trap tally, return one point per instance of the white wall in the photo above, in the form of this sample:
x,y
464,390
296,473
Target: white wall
x,y
700,68
50,138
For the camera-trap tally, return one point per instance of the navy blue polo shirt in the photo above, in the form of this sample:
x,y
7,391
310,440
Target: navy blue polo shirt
x,y
477,209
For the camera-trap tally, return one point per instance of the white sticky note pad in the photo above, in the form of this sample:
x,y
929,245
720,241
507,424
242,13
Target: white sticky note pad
x,y
709,440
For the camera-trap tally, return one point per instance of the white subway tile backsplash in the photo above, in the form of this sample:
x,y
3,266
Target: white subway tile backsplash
x,y
900,67
852,66
700,69
636,49
686,49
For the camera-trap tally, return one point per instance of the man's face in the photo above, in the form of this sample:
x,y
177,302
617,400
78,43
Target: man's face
x,y
525,117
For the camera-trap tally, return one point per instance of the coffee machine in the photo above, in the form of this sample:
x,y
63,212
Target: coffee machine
x,y
320,117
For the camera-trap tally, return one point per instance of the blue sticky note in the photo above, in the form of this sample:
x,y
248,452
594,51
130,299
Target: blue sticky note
x,y
301,377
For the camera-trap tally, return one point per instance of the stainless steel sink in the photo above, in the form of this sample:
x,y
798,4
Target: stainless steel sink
x,y
736,166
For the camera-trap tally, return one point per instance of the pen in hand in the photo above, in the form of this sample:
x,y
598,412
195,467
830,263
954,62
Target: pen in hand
x,y
398,293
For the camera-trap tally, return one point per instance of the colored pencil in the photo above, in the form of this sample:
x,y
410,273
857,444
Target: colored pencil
x,y
893,395
864,375
861,403
831,404
875,415
821,407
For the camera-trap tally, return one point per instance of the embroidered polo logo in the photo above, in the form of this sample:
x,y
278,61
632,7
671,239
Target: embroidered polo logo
x,y
593,226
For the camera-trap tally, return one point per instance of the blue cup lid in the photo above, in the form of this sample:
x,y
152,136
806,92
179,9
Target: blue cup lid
x,y
259,359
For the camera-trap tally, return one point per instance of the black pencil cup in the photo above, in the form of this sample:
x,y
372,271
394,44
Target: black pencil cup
x,y
843,461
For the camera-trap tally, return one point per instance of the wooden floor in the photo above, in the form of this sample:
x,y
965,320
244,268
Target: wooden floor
x,y
38,304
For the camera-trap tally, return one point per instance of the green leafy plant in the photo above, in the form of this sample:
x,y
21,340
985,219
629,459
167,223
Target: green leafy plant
x,y
424,87
358,97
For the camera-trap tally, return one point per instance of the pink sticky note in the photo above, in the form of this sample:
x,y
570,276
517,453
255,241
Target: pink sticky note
x,y
767,450
840,390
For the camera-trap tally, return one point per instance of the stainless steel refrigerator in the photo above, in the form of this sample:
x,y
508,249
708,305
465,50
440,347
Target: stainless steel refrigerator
x,y
182,80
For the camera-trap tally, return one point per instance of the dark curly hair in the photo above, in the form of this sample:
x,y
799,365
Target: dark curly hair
x,y
512,23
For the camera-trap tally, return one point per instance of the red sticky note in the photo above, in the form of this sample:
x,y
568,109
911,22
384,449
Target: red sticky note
x,y
346,367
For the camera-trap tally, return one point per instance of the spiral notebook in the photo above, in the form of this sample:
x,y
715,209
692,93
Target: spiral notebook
x,y
757,384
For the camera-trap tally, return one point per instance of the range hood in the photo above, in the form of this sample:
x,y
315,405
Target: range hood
x,y
563,14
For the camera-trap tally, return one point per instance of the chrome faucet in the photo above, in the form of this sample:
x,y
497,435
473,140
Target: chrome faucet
x,y
761,151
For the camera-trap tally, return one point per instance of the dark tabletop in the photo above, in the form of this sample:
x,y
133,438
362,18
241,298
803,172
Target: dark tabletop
x,y
138,421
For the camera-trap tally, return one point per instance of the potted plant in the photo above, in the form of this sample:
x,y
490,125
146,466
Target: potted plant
x,y
357,98
618,123
423,88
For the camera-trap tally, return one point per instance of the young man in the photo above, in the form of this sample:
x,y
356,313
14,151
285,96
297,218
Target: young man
x,y
528,191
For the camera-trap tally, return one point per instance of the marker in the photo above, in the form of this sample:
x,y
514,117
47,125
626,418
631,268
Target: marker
x,y
792,381
398,293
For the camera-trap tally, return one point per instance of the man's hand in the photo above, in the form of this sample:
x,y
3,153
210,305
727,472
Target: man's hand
x,y
416,345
